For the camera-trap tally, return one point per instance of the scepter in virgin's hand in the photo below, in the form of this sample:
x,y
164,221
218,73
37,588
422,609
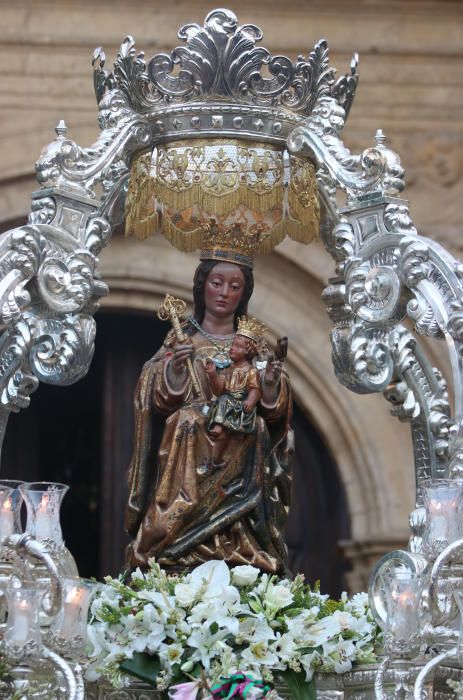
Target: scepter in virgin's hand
x,y
171,310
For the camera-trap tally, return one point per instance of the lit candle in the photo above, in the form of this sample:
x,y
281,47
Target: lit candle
x,y
72,613
43,521
405,623
22,620
6,519
22,626
438,526
403,590
443,503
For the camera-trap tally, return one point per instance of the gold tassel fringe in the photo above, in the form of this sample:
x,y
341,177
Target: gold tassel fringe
x,y
222,204
303,219
187,241
141,219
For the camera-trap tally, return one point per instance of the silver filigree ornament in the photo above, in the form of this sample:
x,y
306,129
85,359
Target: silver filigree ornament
x,y
215,81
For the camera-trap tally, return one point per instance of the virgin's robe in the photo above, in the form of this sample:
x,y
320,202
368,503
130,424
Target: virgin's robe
x,y
183,514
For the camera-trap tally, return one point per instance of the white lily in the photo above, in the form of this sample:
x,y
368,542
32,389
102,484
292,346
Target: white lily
x,y
254,629
259,653
206,645
321,631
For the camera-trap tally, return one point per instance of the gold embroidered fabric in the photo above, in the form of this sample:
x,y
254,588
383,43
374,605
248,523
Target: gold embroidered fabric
x,y
229,198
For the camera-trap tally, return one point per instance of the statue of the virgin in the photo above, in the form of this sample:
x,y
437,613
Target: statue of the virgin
x,y
185,505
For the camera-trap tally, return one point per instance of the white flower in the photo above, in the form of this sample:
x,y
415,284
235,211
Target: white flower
x,y
259,653
253,629
358,604
244,575
207,580
137,575
321,631
285,647
308,662
214,574
170,654
341,653
206,645
277,597
186,594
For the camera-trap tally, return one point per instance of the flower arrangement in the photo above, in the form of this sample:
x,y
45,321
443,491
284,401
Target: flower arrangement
x,y
220,632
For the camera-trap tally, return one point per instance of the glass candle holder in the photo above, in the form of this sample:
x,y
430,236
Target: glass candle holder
x,y
5,555
68,631
402,627
43,502
6,511
10,510
23,628
443,501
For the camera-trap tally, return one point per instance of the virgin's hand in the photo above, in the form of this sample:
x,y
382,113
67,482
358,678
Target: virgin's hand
x,y
273,372
180,356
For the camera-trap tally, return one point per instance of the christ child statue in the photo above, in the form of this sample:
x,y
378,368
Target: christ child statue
x,y
238,389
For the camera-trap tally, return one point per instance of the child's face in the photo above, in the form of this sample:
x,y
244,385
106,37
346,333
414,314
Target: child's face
x,y
239,348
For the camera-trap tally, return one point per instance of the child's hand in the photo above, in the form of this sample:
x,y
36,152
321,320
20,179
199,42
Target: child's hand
x,y
209,366
248,405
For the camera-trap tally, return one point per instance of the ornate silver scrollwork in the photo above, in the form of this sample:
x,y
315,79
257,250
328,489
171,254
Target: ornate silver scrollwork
x,y
386,273
63,348
377,171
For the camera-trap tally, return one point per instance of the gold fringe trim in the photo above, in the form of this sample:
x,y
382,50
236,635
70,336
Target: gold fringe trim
x,y
220,204
303,219
187,241
270,242
302,233
142,229
141,219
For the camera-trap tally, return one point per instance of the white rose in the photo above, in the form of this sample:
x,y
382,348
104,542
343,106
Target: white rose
x,y
277,597
244,575
185,594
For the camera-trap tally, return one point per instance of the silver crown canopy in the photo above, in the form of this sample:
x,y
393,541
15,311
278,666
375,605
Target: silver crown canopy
x,y
214,83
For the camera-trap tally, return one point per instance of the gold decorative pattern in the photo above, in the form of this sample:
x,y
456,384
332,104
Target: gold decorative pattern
x,y
229,198
140,211
251,328
303,204
220,174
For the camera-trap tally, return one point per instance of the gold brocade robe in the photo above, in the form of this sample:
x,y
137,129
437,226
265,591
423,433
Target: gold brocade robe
x,y
183,516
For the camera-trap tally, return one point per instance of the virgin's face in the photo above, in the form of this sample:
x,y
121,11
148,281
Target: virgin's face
x,y
223,289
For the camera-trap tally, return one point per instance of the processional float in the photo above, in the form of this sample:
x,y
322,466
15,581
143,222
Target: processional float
x,y
214,130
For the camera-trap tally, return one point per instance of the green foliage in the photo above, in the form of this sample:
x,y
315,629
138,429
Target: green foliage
x,y
297,685
142,666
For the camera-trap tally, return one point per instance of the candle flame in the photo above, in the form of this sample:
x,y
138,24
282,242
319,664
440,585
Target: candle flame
x,y
74,595
407,598
446,506
8,505
23,604
44,502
